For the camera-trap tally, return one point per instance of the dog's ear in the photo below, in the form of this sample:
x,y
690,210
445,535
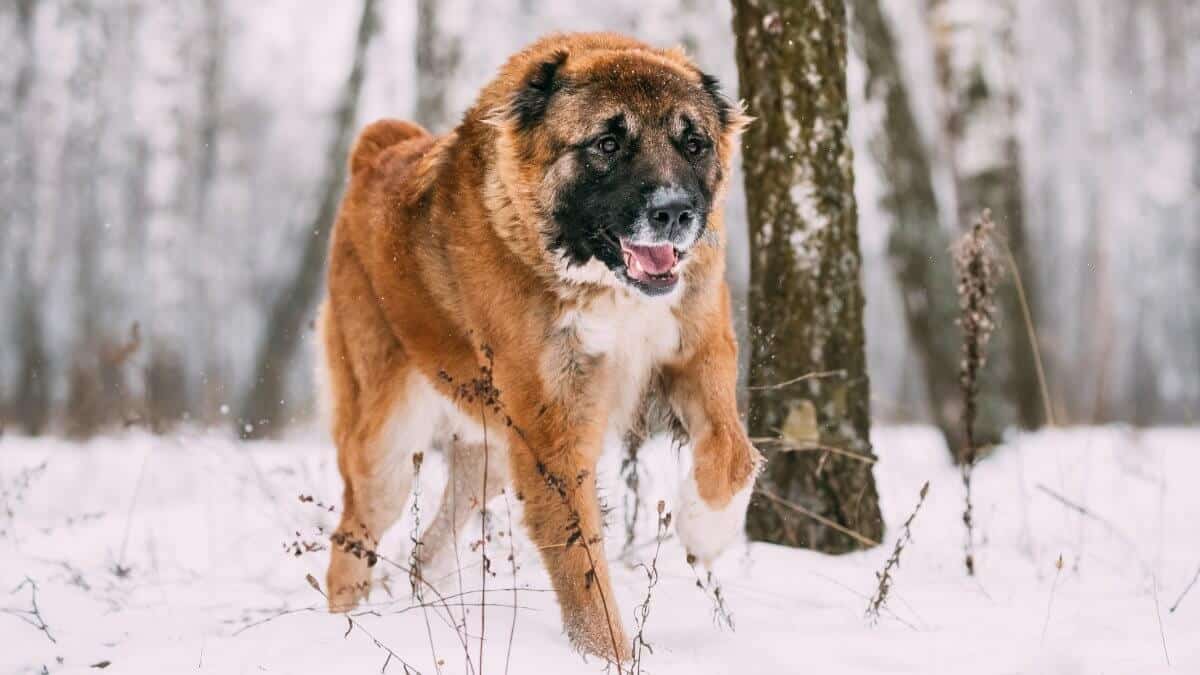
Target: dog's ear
x,y
538,86
732,116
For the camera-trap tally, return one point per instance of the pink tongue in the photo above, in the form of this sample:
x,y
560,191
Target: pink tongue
x,y
658,259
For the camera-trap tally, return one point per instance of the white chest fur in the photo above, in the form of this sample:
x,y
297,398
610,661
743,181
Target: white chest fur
x,y
632,334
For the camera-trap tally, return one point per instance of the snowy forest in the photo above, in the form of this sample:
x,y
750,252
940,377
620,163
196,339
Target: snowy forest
x,y
170,172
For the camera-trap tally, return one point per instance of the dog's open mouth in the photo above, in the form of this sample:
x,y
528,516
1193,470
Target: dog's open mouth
x,y
654,266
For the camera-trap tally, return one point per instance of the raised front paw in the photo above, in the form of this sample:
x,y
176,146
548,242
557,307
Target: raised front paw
x,y
715,493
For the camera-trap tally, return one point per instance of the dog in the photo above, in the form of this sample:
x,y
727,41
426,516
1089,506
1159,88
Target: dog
x,y
548,273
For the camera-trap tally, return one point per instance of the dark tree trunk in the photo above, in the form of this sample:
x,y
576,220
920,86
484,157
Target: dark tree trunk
x,y
437,58
30,407
918,246
262,411
979,103
805,297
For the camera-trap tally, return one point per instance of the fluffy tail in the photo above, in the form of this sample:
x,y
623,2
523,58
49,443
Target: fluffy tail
x,y
379,136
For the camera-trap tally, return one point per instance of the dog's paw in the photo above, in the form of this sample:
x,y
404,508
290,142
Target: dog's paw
x,y
707,530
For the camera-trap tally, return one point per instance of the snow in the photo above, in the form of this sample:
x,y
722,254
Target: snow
x,y
198,523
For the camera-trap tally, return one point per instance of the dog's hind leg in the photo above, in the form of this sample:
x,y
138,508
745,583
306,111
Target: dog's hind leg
x,y
465,493
375,460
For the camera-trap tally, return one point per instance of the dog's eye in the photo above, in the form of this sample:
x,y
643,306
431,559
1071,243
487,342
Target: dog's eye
x,y
695,146
608,145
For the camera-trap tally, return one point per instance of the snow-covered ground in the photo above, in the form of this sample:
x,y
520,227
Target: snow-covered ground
x,y
167,554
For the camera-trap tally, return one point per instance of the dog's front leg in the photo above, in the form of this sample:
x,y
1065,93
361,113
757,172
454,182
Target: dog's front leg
x,y
554,443
716,492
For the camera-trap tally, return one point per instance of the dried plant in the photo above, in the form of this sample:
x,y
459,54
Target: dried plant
x,y
711,587
33,615
641,613
631,477
414,557
885,576
1058,566
976,262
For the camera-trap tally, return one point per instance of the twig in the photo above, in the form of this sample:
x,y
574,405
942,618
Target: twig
x,y
885,576
352,624
1032,333
120,569
807,376
712,588
1185,591
641,613
631,475
512,556
793,446
33,615
415,557
1112,529
1058,565
484,563
860,538
1162,635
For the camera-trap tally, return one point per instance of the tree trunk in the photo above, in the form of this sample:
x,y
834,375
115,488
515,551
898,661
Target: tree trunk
x,y
918,246
261,413
974,62
806,302
437,58
31,406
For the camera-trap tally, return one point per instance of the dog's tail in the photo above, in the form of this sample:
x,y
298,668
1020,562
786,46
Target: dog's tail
x,y
379,136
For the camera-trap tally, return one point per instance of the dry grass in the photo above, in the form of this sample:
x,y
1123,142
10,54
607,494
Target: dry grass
x,y
978,272
884,576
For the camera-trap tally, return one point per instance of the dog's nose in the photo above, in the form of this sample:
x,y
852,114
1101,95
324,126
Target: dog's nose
x,y
672,216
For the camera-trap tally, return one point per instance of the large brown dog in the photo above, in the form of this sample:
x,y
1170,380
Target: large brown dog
x,y
535,280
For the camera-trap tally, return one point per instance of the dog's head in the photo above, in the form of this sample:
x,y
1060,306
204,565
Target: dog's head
x,y
616,154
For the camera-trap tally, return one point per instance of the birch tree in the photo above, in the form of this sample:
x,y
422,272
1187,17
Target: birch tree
x,y
30,403
809,393
918,246
263,407
975,63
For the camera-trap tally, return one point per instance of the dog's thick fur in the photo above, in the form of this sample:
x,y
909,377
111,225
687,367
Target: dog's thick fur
x,y
484,258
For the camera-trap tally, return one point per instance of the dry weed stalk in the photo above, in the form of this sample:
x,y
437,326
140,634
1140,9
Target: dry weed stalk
x,y
512,558
1058,566
641,613
414,557
893,561
1183,595
352,625
12,494
631,477
711,587
976,264
33,615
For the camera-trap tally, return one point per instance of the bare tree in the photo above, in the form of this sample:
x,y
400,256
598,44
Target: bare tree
x,y
261,411
31,404
810,397
974,59
918,246
437,58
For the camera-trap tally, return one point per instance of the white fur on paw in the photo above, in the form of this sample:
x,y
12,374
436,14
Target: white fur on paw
x,y
706,532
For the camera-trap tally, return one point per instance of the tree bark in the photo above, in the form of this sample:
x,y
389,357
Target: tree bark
x,y
805,297
261,413
974,62
918,246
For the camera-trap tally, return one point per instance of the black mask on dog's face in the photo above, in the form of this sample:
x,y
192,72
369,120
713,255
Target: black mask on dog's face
x,y
634,179
637,202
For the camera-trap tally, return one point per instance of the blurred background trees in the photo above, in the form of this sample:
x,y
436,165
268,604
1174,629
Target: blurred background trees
x,y
162,166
